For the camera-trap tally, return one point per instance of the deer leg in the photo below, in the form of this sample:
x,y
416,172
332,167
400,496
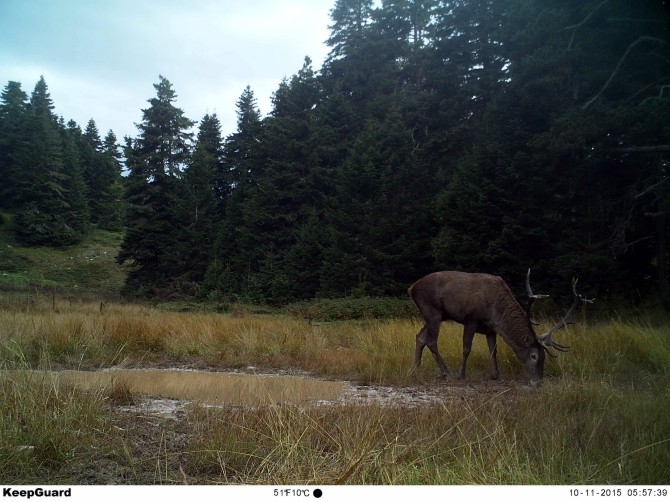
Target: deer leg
x,y
438,358
468,335
493,351
420,344
428,336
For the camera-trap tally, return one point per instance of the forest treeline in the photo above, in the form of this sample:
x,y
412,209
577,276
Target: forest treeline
x,y
470,134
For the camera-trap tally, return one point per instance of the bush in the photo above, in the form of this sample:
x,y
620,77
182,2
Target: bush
x,y
342,309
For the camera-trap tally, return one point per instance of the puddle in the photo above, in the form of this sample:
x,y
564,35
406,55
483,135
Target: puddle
x,y
205,387
165,392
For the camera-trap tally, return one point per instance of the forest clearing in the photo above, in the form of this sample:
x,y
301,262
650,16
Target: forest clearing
x,y
600,416
200,305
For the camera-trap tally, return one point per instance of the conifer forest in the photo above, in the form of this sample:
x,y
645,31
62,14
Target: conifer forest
x,y
476,135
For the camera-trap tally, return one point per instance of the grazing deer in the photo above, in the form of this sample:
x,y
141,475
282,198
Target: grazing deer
x,y
484,304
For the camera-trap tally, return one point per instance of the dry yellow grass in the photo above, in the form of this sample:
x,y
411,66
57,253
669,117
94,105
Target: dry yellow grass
x,y
80,336
198,386
601,416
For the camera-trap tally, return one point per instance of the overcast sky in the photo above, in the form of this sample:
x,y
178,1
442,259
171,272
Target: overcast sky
x,y
100,58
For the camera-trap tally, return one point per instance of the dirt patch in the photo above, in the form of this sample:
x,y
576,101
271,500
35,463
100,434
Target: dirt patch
x,y
161,436
167,391
334,393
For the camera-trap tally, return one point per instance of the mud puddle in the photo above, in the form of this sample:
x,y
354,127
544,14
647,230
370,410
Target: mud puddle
x,y
166,392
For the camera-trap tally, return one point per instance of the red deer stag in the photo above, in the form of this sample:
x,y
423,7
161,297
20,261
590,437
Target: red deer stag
x,y
484,304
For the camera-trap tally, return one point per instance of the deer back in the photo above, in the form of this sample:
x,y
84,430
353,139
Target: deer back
x,y
474,298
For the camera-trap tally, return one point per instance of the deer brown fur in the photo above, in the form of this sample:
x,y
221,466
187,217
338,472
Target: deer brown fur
x,y
484,304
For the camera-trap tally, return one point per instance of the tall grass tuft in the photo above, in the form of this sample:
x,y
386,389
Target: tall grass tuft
x,y
45,429
494,439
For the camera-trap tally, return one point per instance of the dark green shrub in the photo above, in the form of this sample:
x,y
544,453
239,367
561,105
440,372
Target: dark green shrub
x,y
341,309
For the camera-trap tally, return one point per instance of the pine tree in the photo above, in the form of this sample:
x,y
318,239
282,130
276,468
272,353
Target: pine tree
x,y
240,168
380,223
155,160
89,145
13,114
102,172
287,194
112,206
362,62
348,31
201,214
39,161
241,163
50,188
77,212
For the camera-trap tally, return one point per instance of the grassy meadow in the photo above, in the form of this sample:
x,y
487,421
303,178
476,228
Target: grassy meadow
x,y
601,416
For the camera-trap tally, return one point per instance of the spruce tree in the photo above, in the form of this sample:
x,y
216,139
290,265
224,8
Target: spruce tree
x,y
89,145
348,32
200,212
38,163
241,166
285,196
155,160
13,116
77,213
50,188
112,205
102,171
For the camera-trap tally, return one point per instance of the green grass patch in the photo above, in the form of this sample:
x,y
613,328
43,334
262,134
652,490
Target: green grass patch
x,y
89,266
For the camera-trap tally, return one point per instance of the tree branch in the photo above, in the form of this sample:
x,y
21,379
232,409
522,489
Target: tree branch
x,y
618,65
651,188
649,86
582,23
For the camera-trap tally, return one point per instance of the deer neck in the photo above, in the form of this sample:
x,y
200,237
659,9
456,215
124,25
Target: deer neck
x,y
512,324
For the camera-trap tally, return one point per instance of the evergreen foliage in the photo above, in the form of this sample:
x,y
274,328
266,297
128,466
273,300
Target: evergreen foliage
x,y
477,135
13,117
201,210
154,245
52,172
53,209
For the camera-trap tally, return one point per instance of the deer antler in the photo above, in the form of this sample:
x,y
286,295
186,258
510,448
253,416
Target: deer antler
x,y
531,298
546,339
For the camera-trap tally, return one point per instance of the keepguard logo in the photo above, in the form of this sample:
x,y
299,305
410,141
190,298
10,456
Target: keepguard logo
x,y
35,492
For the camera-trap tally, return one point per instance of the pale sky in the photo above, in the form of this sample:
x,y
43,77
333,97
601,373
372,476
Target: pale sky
x,y
100,58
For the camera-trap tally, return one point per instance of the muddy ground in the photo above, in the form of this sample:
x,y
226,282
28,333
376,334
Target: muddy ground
x,y
427,392
158,431
158,427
